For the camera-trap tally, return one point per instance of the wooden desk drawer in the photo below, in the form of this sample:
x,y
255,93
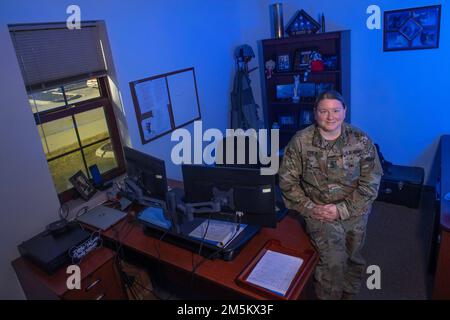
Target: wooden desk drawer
x,y
103,284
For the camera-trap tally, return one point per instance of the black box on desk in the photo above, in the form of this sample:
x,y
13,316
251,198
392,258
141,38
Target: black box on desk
x,y
402,185
51,252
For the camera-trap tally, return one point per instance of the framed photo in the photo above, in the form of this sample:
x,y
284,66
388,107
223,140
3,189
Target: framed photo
x,y
284,63
302,59
330,62
82,184
323,87
285,92
307,91
302,23
412,29
306,117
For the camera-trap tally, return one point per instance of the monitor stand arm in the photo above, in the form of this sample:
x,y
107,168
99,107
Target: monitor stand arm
x,y
134,192
199,207
220,199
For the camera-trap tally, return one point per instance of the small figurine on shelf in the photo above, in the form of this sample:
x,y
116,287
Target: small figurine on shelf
x,y
316,62
296,97
270,66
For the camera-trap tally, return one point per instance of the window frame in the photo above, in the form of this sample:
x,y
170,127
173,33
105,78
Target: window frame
x,y
70,110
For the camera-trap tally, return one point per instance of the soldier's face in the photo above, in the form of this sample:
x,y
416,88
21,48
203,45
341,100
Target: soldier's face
x,y
330,114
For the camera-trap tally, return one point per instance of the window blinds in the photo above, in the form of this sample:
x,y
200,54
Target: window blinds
x,y
53,54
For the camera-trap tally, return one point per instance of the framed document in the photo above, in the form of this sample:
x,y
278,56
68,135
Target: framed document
x,y
278,272
284,63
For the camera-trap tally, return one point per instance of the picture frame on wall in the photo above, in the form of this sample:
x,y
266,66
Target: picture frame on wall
x,y
284,63
412,29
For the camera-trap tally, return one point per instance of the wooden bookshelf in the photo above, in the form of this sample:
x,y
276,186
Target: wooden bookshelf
x,y
292,115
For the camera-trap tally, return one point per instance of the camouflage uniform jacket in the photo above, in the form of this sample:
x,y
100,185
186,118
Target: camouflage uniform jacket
x,y
345,172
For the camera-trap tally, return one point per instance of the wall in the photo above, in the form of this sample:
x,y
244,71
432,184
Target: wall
x,y
28,196
145,38
397,97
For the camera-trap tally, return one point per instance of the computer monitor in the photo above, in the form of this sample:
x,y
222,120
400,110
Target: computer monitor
x,y
253,193
148,171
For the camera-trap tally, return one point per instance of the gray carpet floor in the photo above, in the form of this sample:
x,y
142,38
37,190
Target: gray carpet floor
x,y
398,241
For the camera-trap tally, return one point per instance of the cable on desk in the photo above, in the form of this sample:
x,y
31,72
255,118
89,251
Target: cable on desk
x,y
199,250
118,258
64,211
203,238
157,244
218,251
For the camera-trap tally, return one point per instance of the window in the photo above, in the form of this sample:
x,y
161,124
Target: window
x,y
77,130
65,76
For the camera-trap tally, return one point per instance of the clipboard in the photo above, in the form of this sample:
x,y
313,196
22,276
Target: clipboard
x,y
296,286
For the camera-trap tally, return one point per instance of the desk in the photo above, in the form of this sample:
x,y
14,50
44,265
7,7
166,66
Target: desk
x,y
441,288
170,266
99,279
214,278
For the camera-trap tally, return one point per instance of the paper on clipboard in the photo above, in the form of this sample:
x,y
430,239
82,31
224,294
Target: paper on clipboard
x,y
184,97
152,94
275,271
153,103
218,232
165,102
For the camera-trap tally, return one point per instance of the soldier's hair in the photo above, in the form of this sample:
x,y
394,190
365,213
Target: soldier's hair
x,y
332,95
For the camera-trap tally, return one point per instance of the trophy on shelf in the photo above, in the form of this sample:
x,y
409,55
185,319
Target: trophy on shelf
x,y
296,97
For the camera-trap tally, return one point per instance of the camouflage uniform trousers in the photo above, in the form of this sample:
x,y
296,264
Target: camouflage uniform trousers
x,y
340,269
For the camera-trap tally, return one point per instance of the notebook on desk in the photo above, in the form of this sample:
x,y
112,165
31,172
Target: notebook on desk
x,y
101,217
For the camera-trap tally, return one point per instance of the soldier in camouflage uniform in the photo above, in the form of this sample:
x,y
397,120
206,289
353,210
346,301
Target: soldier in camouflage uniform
x,y
330,174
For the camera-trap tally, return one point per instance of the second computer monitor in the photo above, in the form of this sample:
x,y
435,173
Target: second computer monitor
x,y
150,172
252,193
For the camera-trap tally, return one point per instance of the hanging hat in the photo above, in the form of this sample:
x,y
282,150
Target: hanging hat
x,y
244,51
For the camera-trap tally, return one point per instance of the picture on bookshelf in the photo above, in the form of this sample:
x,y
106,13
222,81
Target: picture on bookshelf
x,y
330,62
302,59
306,117
285,92
287,121
284,63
